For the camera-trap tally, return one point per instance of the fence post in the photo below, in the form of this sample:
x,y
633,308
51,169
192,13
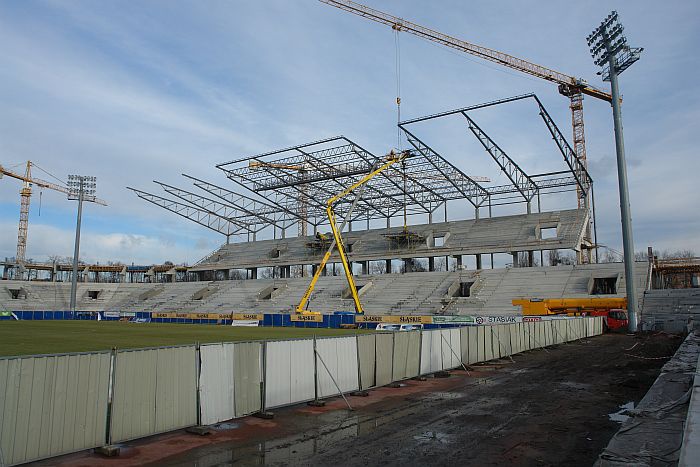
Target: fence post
x,y
198,369
110,394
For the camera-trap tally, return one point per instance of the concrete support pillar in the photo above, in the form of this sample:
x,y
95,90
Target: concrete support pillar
x,y
460,261
478,262
253,273
388,266
365,267
492,261
325,270
531,258
388,222
406,267
314,268
515,258
431,264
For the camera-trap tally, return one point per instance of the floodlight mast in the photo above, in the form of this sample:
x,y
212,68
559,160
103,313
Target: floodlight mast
x,y
610,52
80,187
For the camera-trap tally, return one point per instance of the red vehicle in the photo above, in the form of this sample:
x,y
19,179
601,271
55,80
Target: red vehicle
x,y
615,317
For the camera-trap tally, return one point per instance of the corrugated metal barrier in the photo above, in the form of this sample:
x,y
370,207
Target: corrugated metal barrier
x,y
336,357
155,390
57,404
289,372
52,405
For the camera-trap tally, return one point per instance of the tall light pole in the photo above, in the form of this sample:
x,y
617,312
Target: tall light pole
x,y
81,188
610,52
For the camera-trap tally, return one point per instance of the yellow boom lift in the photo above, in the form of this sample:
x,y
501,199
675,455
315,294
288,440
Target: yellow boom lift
x,y
391,159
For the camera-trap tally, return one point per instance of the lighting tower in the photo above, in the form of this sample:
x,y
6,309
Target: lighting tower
x,y
80,187
610,52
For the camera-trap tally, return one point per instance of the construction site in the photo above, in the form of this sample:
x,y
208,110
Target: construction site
x,y
476,324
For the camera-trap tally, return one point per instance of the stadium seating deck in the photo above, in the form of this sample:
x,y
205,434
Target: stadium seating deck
x,y
491,292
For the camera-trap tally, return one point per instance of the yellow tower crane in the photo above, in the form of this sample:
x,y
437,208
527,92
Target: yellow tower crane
x,y
569,86
25,196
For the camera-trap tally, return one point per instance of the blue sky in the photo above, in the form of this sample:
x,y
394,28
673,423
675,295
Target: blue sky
x,y
136,91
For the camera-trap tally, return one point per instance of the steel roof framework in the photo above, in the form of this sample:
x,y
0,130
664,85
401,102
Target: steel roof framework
x,y
296,182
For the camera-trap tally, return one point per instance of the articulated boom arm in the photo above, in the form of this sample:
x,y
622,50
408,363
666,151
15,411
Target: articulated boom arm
x,y
391,159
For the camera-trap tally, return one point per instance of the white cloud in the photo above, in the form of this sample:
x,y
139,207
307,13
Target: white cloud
x,y
45,241
147,90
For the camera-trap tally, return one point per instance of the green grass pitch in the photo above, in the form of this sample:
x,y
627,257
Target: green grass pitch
x,y
46,337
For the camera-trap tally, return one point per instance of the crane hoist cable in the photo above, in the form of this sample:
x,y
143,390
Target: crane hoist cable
x,y
397,53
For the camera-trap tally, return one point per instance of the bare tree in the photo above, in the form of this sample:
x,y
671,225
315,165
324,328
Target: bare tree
x,y
609,256
238,275
553,257
377,267
413,265
439,263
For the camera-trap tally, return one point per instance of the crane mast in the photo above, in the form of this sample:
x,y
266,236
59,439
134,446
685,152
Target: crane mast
x,y
569,86
25,198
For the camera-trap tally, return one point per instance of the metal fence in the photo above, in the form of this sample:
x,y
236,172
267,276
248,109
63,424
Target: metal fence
x,y
58,404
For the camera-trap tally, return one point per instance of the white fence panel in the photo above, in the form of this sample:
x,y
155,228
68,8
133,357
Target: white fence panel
x,y
539,334
134,396
229,380
488,343
431,350
504,344
398,367
289,372
216,383
450,341
480,331
176,388
52,405
367,359
340,357
413,357
385,357
516,339
247,377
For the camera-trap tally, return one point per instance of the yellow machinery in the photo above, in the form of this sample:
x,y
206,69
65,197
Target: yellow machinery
x,y
391,159
559,306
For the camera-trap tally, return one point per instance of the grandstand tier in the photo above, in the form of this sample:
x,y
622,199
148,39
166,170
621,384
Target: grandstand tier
x,y
504,234
480,292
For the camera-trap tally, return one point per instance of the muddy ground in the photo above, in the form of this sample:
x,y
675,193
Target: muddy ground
x,y
546,407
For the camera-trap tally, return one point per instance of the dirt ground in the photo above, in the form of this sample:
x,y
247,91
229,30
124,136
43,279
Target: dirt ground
x,y
546,407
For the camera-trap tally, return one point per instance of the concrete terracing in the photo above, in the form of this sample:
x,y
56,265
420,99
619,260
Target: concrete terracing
x,y
490,292
505,234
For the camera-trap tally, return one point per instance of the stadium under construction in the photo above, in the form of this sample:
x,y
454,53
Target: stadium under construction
x,y
455,272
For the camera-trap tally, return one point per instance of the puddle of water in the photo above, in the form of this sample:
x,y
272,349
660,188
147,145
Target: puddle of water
x,y
225,426
433,437
443,396
620,416
576,386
